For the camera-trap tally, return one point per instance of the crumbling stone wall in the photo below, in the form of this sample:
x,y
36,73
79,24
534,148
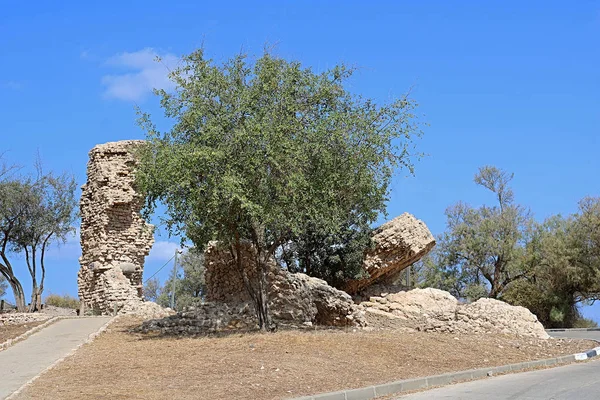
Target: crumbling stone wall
x,y
294,299
114,238
224,281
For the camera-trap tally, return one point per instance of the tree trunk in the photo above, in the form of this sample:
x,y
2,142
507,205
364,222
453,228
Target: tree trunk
x,y
18,293
262,303
15,285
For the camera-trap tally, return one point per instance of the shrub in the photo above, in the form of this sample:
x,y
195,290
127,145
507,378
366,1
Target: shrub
x,y
64,301
582,322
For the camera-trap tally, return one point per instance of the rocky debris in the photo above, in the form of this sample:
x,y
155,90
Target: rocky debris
x,y
378,289
433,310
22,318
203,319
399,243
490,315
299,298
58,311
144,309
114,238
293,298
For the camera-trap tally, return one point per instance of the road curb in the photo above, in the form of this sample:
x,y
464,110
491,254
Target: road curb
x,y
89,339
371,392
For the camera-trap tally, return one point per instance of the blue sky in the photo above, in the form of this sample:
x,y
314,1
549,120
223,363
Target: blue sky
x,y
509,83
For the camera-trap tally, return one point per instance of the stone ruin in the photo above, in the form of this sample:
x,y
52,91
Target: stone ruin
x,y
115,241
114,238
399,243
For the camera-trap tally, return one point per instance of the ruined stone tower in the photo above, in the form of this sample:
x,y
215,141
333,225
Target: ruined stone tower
x,y
114,238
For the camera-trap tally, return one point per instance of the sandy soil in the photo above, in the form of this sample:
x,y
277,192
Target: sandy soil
x,y
12,331
124,365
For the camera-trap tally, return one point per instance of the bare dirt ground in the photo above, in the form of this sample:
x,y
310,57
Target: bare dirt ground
x,y
123,365
12,331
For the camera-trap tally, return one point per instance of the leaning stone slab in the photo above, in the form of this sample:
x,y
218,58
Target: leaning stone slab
x,y
399,243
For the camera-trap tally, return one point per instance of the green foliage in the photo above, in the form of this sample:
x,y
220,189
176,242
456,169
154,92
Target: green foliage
x,y
483,249
35,212
564,253
334,257
585,323
189,283
152,289
269,151
550,268
64,301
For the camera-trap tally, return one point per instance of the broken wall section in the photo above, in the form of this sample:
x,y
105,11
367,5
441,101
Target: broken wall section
x,y
114,237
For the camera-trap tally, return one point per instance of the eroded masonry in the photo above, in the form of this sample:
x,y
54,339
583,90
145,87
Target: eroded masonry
x,y
114,238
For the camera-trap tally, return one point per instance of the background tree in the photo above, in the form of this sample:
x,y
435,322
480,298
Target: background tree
x,y
565,267
152,289
14,194
482,251
34,213
190,286
47,219
261,152
334,255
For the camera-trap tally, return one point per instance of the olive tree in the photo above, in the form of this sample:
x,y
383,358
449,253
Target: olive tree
x,y
260,151
48,218
483,249
34,213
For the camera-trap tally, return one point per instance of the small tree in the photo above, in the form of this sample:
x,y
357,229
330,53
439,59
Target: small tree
x,y
14,194
152,289
565,268
189,281
334,254
48,218
483,249
262,151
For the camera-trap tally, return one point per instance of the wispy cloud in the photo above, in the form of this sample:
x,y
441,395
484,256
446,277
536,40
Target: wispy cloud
x,y
162,251
70,250
142,73
12,85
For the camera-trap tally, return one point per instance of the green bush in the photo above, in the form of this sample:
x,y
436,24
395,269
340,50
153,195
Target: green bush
x,y
585,323
64,301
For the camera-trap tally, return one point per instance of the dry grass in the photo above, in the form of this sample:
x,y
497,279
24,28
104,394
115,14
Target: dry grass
x,y
12,331
122,365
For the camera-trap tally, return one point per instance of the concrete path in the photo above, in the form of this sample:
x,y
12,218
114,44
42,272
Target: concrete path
x,y
26,359
575,381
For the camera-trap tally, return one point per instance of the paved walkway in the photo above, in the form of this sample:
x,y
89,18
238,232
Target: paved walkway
x,y
26,359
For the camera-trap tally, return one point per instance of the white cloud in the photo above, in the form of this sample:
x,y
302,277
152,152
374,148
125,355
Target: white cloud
x,y
12,85
143,73
70,250
162,251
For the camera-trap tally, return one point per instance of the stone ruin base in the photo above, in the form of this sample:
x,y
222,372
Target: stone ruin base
x,y
434,310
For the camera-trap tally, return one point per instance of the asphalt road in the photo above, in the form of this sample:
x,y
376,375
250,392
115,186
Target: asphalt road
x,y
26,359
576,381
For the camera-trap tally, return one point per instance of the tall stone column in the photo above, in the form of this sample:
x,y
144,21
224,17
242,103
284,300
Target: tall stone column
x,y
114,237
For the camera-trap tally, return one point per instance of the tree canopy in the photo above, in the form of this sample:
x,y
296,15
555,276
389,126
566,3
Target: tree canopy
x,y
482,250
35,212
502,252
264,151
